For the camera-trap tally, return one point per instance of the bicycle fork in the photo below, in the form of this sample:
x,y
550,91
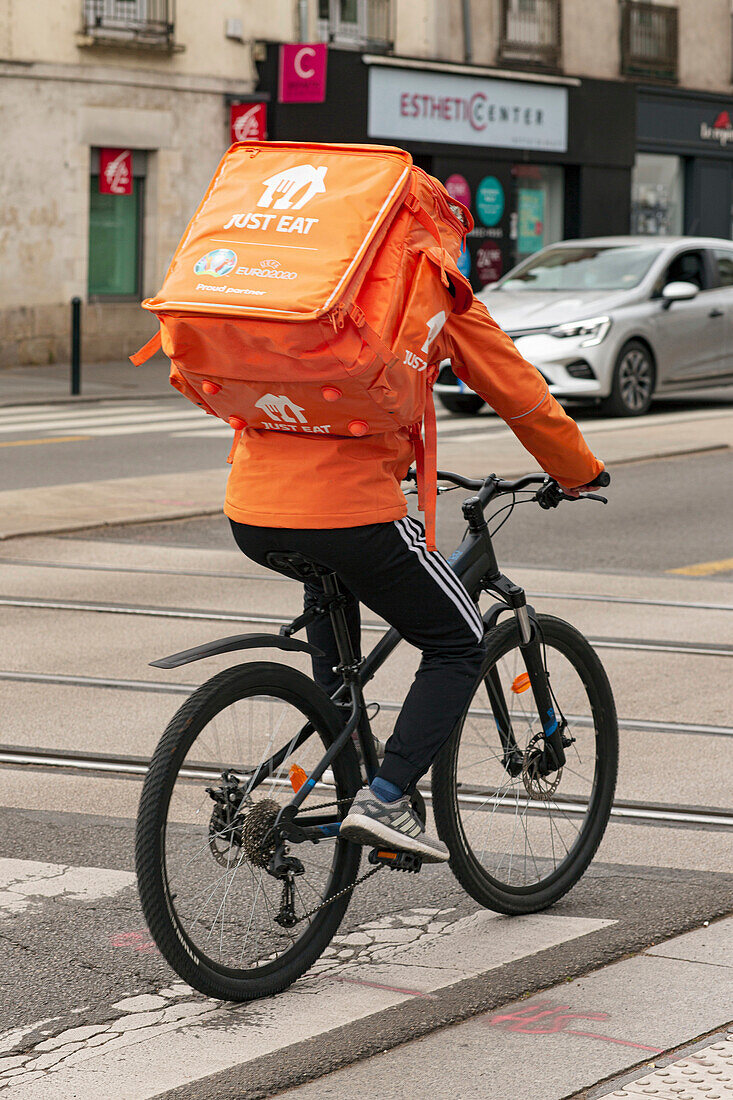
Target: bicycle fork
x,y
530,644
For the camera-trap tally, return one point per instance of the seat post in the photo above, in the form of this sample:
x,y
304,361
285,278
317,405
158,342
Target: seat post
x,y
336,600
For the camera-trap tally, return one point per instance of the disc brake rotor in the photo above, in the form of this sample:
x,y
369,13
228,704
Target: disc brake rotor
x,y
539,787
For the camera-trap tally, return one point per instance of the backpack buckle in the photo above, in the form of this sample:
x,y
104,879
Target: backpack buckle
x,y
357,316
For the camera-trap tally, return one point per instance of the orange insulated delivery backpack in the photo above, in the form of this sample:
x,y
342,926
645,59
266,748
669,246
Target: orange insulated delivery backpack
x,y
307,291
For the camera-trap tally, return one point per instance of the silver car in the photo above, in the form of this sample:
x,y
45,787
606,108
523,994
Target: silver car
x,y
616,319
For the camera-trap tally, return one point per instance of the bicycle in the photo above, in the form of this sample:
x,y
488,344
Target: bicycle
x,y
521,792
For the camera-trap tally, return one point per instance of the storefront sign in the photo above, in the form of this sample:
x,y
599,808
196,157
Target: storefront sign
x,y
684,124
464,261
489,264
457,187
115,172
531,230
303,73
248,122
720,131
490,200
406,104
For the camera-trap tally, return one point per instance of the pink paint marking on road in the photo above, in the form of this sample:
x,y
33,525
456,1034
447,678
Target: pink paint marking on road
x,y
136,941
389,988
548,1018
621,1042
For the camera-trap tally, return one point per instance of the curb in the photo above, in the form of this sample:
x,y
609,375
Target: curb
x,y
312,1059
86,399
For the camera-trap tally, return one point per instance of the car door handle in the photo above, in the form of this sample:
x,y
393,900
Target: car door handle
x,y
716,313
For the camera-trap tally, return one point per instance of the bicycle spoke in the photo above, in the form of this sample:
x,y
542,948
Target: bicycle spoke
x,y
220,826
517,833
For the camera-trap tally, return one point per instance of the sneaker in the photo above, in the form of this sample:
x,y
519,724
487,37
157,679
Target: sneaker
x,y
394,824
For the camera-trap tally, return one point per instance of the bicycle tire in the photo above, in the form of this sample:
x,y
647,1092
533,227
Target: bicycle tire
x,y
198,969
484,887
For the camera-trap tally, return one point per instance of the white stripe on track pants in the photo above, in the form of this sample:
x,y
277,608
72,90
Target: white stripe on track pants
x,y
387,567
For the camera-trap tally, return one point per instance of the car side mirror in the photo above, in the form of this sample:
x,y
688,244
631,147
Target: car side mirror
x,y
679,292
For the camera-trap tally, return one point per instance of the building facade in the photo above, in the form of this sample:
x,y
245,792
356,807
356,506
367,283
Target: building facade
x,y
551,118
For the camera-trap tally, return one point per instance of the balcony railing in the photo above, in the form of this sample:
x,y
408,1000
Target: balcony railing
x,y
359,24
531,34
649,40
141,23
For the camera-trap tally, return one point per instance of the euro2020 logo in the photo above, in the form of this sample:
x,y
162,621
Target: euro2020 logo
x,y
218,263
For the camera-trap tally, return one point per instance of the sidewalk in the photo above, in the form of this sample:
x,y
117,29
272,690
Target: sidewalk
x,y
664,1012
99,381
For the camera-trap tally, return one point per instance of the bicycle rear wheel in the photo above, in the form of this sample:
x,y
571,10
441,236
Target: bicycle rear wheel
x,y
518,842
205,889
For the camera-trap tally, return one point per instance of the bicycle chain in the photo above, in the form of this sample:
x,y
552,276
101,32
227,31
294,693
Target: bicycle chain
x,y
346,890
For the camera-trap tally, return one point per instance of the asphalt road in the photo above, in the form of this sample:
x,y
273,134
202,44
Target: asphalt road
x,y
77,953
108,439
661,515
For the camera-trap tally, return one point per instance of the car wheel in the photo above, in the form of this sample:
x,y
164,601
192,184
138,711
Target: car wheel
x,y
469,403
633,381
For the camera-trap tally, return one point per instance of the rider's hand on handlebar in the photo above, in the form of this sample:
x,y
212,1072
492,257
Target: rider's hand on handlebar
x,y
550,495
600,481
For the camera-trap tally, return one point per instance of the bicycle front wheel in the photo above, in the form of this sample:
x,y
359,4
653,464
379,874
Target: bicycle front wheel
x,y
518,841
204,840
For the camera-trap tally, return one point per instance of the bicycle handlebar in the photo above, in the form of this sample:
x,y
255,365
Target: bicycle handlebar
x,y
549,493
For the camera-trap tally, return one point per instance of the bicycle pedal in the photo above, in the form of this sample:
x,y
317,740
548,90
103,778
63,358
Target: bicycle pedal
x,y
398,861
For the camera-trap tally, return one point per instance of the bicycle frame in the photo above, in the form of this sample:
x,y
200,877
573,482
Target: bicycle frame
x,y
474,562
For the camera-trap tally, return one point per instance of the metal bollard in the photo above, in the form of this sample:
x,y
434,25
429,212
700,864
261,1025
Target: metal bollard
x,y
76,345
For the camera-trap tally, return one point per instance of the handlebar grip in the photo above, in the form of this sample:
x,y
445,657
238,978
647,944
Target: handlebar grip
x,y
603,479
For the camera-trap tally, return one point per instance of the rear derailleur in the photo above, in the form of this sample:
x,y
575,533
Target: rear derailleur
x,y
285,867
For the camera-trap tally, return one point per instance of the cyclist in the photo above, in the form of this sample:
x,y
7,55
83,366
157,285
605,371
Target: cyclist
x,y
338,502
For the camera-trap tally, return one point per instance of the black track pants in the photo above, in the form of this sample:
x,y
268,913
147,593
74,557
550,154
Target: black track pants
x,y
387,567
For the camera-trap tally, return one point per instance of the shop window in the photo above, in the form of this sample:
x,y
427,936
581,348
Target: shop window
x,y
358,23
538,220
657,193
724,258
530,33
140,22
115,241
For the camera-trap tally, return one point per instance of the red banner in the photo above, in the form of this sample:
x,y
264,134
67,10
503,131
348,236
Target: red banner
x,y
115,172
248,122
303,73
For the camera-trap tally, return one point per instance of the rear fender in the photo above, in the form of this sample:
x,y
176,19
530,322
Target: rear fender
x,y
229,645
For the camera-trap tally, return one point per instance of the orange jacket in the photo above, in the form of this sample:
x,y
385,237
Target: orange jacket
x,y
283,480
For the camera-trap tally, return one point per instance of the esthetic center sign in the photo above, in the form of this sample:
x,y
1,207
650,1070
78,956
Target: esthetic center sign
x,y
406,104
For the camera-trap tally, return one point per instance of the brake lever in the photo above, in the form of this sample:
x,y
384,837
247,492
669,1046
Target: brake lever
x,y
551,494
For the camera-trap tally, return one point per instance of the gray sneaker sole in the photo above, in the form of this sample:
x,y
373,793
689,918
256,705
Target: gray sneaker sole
x,y
367,831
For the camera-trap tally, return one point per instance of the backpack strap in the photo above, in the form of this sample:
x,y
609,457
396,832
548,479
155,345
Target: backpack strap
x,y
147,351
235,444
370,337
420,213
426,464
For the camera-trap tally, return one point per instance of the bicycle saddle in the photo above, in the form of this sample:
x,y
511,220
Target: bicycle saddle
x,y
296,565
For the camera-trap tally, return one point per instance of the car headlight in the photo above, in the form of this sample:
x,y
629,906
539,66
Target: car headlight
x,y
590,332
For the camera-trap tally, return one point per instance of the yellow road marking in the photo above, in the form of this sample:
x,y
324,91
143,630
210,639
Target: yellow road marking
x,y
705,568
54,439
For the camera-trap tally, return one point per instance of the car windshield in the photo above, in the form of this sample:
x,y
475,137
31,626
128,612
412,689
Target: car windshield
x,y
592,268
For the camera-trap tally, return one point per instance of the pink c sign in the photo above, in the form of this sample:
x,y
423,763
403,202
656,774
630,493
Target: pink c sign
x,y
302,73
